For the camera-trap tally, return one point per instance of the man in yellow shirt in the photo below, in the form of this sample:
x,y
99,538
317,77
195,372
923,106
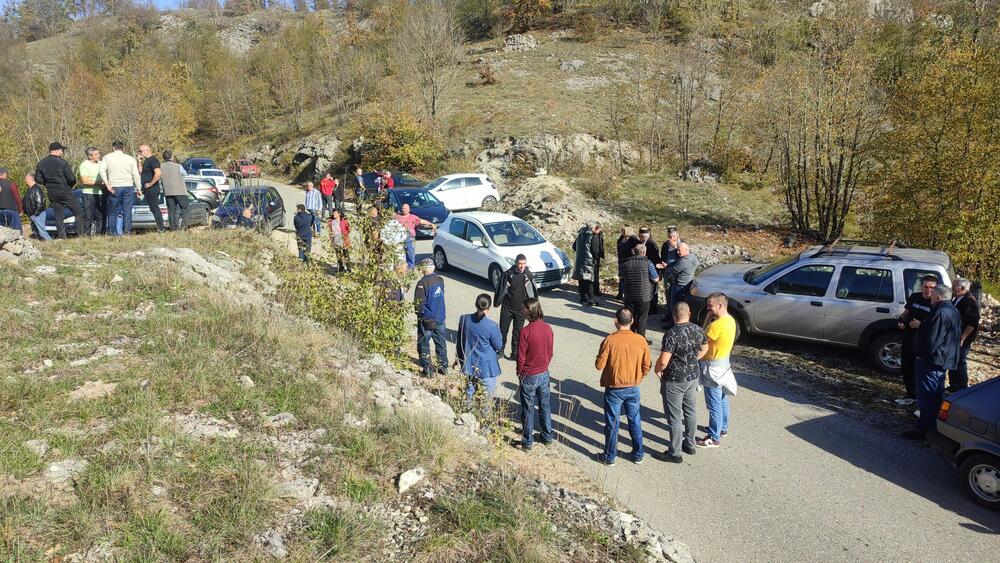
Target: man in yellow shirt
x,y
716,374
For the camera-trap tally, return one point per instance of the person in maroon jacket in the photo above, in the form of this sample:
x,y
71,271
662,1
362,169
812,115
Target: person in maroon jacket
x,y
534,353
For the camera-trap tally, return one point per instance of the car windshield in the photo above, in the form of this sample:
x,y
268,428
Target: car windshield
x,y
417,200
243,199
513,233
763,272
409,178
436,183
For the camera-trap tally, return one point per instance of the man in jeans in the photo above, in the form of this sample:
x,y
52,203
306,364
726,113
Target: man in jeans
x,y
58,178
624,361
639,279
95,199
683,345
968,308
303,223
121,177
10,203
326,186
411,222
36,203
938,343
150,176
428,301
716,374
314,206
174,190
534,354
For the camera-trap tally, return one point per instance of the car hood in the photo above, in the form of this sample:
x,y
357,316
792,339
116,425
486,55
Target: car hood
x,y
232,210
434,213
724,275
541,257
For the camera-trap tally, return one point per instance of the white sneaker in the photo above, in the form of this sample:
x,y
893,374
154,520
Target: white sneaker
x,y
916,413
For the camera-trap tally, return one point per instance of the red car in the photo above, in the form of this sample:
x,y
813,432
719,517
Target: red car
x,y
242,169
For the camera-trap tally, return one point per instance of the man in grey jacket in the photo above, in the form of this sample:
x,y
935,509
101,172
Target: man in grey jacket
x,y
681,274
174,190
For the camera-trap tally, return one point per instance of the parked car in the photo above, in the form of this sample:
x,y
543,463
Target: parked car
x,y
218,177
197,214
242,169
968,435
399,179
268,209
486,244
195,164
204,190
422,203
465,191
844,295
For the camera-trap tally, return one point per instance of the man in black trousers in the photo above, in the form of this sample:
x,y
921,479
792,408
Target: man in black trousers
x,y
639,279
516,285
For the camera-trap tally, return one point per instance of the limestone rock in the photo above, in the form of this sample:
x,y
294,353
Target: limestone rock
x,y
14,247
299,489
273,543
92,390
410,478
520,43
38,447
63,474
199,426
570,66
246,382
280,420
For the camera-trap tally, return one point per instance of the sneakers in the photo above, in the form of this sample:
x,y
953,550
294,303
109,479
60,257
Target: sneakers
x,y
637,460
723,434
522,445
689,449
706,442
664,456
603,459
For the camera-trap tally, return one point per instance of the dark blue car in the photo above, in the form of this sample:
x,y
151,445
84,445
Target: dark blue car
x,y
267,208
422,203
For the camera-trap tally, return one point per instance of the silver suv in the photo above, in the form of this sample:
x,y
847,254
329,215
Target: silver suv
x,y
843,295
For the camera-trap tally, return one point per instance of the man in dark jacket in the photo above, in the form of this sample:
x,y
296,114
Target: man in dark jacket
x,y
303,222
968,309
584,267
58,178
10,203
938,342
624,246
653,255
598,258
917,308
516,286
681,274
639,279
429,303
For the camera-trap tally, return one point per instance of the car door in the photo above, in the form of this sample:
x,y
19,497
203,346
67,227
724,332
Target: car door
x,y
478,253
863,295
450,194
795,303
453,243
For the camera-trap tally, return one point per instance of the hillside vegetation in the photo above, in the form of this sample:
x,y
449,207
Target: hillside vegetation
x,y
863,117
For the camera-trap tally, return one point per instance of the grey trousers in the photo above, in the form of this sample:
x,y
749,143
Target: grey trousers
x,y
679,403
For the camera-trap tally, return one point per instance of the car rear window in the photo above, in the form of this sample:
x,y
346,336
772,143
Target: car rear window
x,y
865,284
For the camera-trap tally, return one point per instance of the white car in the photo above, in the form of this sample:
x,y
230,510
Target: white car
x,y
464,191
486,244
217,176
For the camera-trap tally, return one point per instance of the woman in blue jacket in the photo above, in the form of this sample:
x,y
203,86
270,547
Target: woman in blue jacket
x,y
478,346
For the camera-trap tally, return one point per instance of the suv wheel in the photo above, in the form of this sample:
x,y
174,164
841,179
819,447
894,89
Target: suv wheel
x,y
440,260
981,475
886,353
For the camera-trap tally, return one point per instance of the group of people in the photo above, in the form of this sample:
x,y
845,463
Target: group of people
x,y
110,184
691,356
939,326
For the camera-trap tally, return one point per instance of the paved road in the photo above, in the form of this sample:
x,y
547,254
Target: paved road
x,y
792,482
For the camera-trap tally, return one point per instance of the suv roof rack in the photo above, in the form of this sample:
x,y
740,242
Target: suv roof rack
x,y
844,246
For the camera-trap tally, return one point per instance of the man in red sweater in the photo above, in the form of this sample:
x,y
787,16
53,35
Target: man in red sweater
x,y
326,186
534,354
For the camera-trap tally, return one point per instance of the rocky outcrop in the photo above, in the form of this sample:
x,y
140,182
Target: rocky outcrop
x,y
519,43
554,206
304,160
15,247
510,156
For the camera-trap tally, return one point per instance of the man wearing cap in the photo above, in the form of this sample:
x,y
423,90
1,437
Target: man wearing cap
x,y
95,199
58,178
10,202
121,176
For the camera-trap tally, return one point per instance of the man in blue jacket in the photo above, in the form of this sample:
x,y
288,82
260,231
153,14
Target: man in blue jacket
x,y
428,300
303,222
938,342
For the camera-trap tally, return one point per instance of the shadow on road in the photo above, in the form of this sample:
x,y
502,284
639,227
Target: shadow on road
x,y
918,470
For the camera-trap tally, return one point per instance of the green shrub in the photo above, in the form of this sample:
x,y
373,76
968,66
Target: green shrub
x,y
397,140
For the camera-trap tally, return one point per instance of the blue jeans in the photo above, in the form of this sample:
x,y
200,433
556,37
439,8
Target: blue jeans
x,y
317,222
10,218
535,391
615,401
411,253
305,247
930,393
489,386
424,337
38,226
121,203
718,411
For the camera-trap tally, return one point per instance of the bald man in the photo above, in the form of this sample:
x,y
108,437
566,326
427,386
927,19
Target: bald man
x,y
150,177
681,274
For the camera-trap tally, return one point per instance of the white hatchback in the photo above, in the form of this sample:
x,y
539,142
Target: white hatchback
x,y
464,191
217,176
486,244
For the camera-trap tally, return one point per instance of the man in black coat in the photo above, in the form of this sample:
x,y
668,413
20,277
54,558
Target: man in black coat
x,y
639,278
938,342
57,176
585,265
968,309
653,255
624,246
303,223
598,258
516,286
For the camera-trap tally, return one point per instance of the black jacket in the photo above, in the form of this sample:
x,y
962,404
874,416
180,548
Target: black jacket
x,y
625,246
636,284
303,225
500,295
968,309
653,252
585,265
56,174
939,336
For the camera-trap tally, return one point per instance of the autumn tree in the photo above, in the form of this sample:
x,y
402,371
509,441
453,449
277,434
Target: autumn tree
x,y
428,49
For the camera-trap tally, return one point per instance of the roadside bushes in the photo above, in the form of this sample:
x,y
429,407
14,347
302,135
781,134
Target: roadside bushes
x,y
396,140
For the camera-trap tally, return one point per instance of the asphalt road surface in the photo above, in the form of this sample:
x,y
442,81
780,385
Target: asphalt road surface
x,y
792,482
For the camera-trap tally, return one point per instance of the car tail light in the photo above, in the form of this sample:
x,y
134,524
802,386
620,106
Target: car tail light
x,y
943,413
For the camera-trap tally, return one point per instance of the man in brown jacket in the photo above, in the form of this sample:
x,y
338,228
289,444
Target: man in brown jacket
x,y
624,361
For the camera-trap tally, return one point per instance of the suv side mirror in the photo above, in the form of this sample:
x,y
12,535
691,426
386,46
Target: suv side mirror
x,y
772,289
